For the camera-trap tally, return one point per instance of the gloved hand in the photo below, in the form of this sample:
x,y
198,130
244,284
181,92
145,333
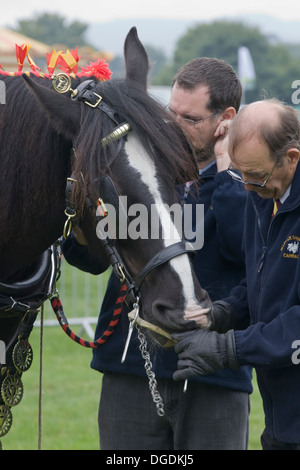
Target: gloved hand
x,y
203,352
221,317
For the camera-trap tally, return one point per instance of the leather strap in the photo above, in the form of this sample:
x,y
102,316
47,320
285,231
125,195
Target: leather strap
x,y
85,93
163,256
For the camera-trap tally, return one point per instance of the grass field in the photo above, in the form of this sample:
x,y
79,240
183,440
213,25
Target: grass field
x,y
71,391
70,400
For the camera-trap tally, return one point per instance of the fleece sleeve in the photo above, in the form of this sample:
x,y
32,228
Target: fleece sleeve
x,y
270,344
228,205
79,256
238,299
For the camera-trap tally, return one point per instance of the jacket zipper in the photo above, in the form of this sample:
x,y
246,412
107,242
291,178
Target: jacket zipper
x,y
262,259
265,242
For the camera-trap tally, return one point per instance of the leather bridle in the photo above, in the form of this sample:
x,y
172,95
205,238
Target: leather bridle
x,y
84,92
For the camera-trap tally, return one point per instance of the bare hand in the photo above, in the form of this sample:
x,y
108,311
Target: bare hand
x,y
220,148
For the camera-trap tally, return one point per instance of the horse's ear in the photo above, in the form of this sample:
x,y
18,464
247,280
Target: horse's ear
x,y
60,110
136,58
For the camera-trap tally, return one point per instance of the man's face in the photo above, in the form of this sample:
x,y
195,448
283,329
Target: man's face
x,y
253,160
192,104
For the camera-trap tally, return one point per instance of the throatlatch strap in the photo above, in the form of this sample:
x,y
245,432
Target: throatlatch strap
x,y
59,312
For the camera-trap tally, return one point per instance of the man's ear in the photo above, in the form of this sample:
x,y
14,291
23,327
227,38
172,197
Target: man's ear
x,y
293,156
229,113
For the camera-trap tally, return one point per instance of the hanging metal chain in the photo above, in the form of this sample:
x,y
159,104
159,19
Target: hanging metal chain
x,y
150,374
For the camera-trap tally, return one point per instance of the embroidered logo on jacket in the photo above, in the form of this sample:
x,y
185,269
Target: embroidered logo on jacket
x,y
290,247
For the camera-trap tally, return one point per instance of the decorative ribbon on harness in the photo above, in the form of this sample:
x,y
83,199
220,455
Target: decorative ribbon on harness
x,y
67,61
22,53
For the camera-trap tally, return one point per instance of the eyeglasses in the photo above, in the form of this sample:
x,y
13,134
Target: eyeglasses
x,y
189,122
236,175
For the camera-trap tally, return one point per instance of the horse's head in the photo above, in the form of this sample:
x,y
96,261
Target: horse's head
x,y
144,223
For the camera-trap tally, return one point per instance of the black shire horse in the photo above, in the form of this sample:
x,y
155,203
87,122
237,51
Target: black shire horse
x,y
38,130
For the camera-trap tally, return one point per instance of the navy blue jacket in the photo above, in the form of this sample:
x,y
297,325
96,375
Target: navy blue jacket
x,y
218,265
269,301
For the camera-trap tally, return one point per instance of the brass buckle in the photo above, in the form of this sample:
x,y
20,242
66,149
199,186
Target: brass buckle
x,y
97,102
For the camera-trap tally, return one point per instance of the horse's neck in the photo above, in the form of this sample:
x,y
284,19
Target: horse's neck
x,y
10,270
16,259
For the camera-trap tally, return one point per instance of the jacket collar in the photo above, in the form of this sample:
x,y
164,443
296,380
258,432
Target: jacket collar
x,y
292,201
209,170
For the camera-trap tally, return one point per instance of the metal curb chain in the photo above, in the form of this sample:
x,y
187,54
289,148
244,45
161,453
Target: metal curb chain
x,y
150,374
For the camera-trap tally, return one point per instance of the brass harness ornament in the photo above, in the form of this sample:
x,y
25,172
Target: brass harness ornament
x,y
12,386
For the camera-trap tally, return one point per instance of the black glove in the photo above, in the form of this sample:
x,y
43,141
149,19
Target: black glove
x,y
203,352
221,317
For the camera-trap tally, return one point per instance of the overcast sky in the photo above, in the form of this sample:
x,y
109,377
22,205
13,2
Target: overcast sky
x,y
95,11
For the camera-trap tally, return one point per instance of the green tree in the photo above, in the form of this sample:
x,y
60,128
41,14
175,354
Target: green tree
x,y
275,67
53,29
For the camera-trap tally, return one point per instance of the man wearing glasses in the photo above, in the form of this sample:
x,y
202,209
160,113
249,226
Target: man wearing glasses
x,y
236,175
264,331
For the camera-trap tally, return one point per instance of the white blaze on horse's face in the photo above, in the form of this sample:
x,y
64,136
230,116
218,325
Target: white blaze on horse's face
x,y
141,162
